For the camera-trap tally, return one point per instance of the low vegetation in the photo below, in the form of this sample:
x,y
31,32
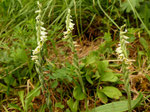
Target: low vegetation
x,y
74,56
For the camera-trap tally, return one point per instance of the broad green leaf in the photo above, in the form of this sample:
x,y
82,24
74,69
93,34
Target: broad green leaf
x,y
21,95
112,92
103,66
73,105
119,106
108,76
78,94
102,96
59,105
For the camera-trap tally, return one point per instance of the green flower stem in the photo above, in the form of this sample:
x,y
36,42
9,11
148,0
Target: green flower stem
x,y
76,65
127,85
37,56
72,45
44,86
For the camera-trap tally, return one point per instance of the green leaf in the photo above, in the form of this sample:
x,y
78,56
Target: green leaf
x,y
144,13
30,96
103,66
10,80
21,95
112,92
3,88
73,105
120,106
108,76
92,58
67,110
62,74
102,96
88,77
97,75
54,84
107,37
126,6
78,94
144,43
14,106
148,77
42,108
59,105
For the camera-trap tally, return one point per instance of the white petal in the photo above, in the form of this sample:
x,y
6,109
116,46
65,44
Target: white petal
x,y
38,11
37,50
40,44
125,37
42,28
121,55
43,33
43,38
65,32
119,50
74,42
34,57
38,17
126,31
119,45
126,42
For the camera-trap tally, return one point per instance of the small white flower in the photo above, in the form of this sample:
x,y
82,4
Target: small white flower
x,y
38,11
38,17
125,37
126,31
34,57
40,43
39,5
37,50
43,33
71,25
119,45
74,42
126,42
119,50
42,28
43,38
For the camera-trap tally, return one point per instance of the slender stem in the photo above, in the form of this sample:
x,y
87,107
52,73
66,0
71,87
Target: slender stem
x,y
76,65
99,4
127,86
44,86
